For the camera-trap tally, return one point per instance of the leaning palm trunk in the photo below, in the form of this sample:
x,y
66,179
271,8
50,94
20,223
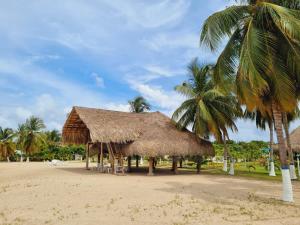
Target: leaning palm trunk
x,y
7,159
289,146
287,189
225,154
231,170
272,166
298,164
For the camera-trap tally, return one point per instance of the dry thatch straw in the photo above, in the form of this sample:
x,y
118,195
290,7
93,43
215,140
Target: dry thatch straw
x,y
146,134
295,141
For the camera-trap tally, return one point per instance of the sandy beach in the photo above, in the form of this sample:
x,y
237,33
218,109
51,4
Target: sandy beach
x,y
35,194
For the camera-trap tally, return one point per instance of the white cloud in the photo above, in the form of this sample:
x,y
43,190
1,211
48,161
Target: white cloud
x,y
22,113
163,71
172,40
155,94
151,14
98,79
117,107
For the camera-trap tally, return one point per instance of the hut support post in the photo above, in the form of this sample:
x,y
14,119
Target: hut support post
x,y
180,162
101,157
87,156
199,161
98,159
137,161
175,167
129,163
151,161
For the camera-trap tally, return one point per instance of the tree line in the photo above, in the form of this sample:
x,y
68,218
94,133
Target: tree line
x,y
31,140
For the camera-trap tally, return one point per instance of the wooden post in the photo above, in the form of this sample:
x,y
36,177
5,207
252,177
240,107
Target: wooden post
x,y
199,161
98,159
111,158
129,163
175,164
137,161
150,173
180,162
87,156
101,157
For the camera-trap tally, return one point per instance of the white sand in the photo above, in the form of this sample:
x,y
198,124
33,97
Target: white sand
x,y
33,193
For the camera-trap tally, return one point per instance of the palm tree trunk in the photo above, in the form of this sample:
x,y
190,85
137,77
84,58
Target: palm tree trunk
x,y
231,170
272,166
287,189
225,154
289,146
7,159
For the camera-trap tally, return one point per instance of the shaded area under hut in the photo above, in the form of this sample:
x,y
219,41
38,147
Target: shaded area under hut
x,y
122,134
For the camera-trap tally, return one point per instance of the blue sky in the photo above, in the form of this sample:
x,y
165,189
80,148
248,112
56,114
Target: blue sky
x,y
56,54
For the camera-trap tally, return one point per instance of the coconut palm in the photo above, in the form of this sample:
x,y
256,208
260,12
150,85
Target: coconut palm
x,y
53,137
7,146
139,104
32,136
20,135
263,52
287,118
207,110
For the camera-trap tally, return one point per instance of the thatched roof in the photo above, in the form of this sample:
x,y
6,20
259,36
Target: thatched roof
x,y
295,140
150,134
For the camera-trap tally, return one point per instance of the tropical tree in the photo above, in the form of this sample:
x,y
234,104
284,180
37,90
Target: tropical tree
x,y
138,105
7,146
263,52
53,137
20,136
287,118
208,110
32,137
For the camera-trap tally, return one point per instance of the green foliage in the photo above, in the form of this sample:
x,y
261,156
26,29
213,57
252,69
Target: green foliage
x,y
7,146
58,152
249,151
208,109
139,104
263,50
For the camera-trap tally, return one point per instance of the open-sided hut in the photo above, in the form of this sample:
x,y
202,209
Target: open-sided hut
x,y
295,140
124,134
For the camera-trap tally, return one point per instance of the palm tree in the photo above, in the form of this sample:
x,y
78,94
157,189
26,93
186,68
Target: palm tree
x,y
287,118
7,146
53,137
20,135
207,110
32,136
263,52
138,105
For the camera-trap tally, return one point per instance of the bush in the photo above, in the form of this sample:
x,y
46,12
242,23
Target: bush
x,y
58,152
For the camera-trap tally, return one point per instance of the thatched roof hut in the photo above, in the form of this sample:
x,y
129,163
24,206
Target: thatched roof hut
x,y
295,141
147,134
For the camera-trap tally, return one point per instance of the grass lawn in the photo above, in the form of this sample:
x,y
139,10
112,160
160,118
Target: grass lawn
x,y
257,172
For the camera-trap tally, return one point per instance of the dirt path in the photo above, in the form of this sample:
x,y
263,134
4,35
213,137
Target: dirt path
x,y
35,194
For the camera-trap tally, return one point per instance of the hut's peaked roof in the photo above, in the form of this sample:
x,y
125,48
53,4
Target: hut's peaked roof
x,y
149,133
295,140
